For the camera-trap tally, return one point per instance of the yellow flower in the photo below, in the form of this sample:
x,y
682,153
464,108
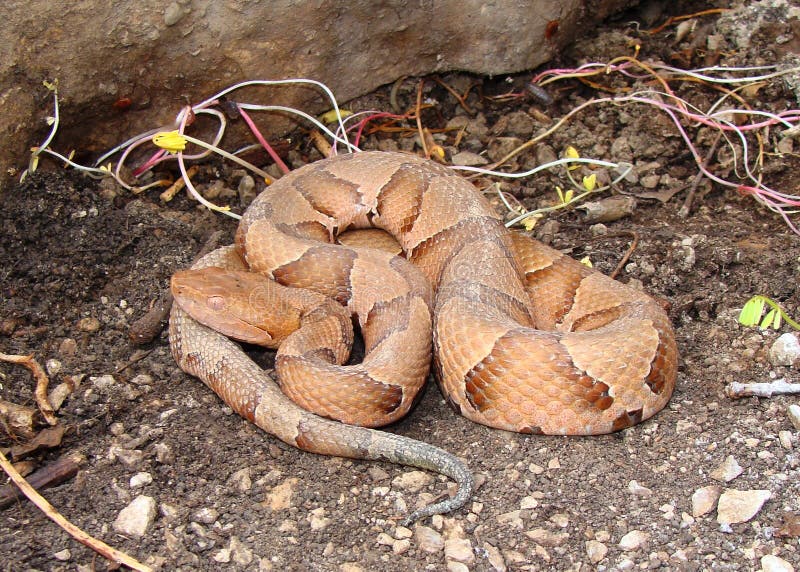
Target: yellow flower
x,y
530,221
332,117
590,182
572,153
586,261
172,141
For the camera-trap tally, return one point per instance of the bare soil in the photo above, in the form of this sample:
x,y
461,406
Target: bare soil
x,y
80,262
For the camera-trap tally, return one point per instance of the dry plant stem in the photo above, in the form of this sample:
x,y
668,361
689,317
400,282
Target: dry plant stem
x,y
176,187
631,249
135,359
97,545
419,120
674,19
778,387
322,145
687,204
393,94
57,472
40,393
461,99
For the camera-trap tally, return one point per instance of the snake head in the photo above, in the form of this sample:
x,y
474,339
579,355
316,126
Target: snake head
x,y
223,300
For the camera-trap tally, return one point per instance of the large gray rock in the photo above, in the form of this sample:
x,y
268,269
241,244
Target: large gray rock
x,y
160,55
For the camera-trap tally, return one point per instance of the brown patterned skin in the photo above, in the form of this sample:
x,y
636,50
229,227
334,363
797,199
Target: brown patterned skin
x,y
524,338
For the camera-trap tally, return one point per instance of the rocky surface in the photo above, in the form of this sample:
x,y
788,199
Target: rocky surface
x,y
124,67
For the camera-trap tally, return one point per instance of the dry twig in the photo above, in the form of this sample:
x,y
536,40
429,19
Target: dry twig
x,y
97,545
40,393
736,390
419,119
55,473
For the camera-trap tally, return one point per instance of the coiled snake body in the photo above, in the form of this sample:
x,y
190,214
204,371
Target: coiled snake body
x,y
523,338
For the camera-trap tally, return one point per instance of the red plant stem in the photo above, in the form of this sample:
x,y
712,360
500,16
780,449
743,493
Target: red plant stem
x,y
278,161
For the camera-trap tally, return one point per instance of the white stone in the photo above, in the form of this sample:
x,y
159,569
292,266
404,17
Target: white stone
x,y
53,367
223,556
134,519
560,519
428,539
705,499
740,506
770,563
412,481
638,490
596,551
468,159
240,552
547,537
206,515
495,558
459,549
727,471
402,532
793,412
63,555
401,546
512,519
633,540
318,520
141,479
785,350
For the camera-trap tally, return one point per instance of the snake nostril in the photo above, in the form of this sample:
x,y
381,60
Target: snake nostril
x,y
216,303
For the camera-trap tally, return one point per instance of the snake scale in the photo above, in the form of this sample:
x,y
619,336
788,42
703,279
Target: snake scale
x,y
522,337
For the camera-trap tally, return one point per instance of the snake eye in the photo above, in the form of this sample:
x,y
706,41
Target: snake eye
x,y
215,303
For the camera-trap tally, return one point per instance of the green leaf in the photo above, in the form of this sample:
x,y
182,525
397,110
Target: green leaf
x,y
751,311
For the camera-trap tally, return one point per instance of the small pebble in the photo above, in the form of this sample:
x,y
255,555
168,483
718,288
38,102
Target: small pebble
x,y
88,324
459,549
134,519
141,479
638,490
412,481
317,519
785,350
469,159
63,555
596,551
727,471
68,347
740,506
401,546
547,537
205,515
222,556
705,499
770,563
633,540
142,379
53,367
793,412
428,539
173,14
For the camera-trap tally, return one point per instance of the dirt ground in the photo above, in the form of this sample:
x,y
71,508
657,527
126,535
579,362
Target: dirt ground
x,y
80,262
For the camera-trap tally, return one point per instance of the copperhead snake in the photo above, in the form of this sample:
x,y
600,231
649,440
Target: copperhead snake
x,y
523,338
